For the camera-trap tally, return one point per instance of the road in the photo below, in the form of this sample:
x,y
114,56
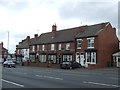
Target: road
x,y
36,77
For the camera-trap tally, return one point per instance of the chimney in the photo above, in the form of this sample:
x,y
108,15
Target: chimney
x,y
28,38
36,36
54,28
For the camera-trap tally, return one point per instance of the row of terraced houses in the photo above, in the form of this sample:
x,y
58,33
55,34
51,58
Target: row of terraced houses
x,y
90,45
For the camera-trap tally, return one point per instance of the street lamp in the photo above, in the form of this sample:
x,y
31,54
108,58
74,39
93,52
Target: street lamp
x,y
8,41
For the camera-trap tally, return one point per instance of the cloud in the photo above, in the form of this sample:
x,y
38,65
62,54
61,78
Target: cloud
x,y
24,17
90,12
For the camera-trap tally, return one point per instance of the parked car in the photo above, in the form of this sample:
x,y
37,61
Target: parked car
x,y
69,65
9,64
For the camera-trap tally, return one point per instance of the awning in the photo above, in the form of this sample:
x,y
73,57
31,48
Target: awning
x,y
117,54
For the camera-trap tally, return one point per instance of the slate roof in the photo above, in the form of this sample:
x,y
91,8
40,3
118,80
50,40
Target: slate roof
x,y
70,34
92,30
24,44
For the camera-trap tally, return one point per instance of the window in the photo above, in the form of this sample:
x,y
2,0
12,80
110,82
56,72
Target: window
x,y
68,46
52,58
38,47
52,46
42,58
33,48
90,42
67,57
91,57
32,57
43,47
79,43
59,47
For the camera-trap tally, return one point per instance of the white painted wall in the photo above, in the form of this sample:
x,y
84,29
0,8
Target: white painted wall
x,y
25,53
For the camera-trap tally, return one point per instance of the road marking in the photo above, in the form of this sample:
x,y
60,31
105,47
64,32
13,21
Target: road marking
x,y
38,75
12,83
19,72
113,78
43,71
100,84
53,77
49,77
75,75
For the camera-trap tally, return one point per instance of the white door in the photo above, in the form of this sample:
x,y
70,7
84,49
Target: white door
x,y
82,59
78,57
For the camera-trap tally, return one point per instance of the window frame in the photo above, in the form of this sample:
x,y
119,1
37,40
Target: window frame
x,y
67,46
79,43
38,47
43,47
52,47
60,46
91,42
91,57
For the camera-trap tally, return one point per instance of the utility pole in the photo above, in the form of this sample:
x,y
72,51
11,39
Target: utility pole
x,y
8,42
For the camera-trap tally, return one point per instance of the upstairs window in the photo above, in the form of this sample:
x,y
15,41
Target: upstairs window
x,y
79,43
90,42
59,47
33,48
38,47
52,46
43,47
68,46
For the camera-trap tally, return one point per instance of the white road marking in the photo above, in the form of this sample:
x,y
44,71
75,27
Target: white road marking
x,y
38,75
100,84
12,83
53,77
43,71
75,75
49,77
20,72
113,78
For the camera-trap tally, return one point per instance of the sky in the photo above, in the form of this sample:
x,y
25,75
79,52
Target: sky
x,y
22,18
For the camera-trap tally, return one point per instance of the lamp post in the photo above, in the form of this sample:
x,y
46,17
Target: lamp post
x,y
8,42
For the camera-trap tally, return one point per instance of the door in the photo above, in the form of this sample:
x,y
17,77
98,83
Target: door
x,y
82,59
78,57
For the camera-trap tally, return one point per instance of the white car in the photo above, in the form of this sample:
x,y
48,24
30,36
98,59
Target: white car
x,y
9,64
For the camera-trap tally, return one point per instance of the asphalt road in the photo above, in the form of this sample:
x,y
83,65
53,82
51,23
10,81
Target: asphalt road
x,y
36,77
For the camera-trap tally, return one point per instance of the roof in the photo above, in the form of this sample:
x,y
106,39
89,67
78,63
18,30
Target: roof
x,y
70,34
117,54
61,36
24,44
92,30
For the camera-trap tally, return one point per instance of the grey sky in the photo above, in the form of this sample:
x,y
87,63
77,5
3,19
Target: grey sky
x,y
24,17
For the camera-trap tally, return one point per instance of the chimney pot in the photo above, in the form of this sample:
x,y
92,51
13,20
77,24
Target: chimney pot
x,y
28,38
54,29
36,36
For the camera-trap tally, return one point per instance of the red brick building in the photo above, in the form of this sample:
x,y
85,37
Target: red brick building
x,y
96,44
3,53
92,46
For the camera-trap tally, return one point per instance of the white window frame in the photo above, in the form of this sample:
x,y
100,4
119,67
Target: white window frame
x,y
43,47
91,58
52,47
79,43
53,58
67,57
91,42
67,46
59,46
33,48
42,58
38,47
